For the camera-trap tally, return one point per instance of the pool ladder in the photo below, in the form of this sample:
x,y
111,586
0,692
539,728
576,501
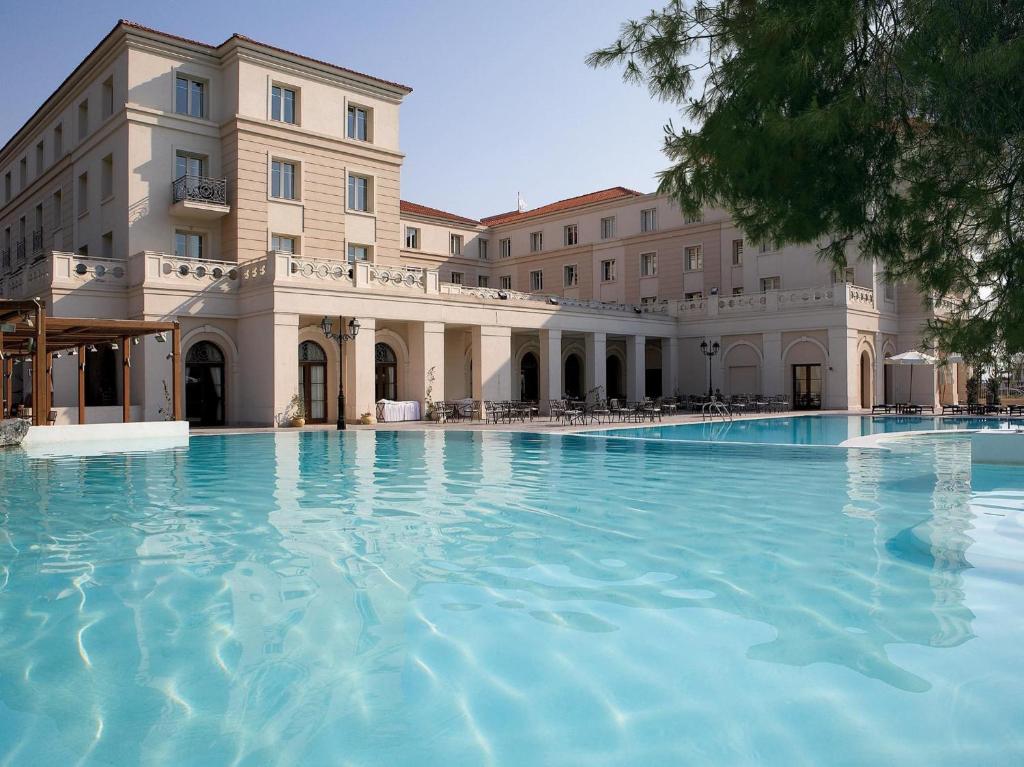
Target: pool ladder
x,y
715,409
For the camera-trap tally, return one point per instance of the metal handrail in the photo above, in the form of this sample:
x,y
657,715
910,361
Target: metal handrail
x,y
715,408
200,189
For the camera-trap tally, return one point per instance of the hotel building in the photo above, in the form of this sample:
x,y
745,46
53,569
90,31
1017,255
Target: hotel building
x,y
248,192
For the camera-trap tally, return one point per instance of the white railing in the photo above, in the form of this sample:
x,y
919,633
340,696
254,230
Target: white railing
x,y
795,299
150,267
452,289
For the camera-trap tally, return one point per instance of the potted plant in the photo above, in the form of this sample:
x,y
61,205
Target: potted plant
x,y
366,419
432,413
297,411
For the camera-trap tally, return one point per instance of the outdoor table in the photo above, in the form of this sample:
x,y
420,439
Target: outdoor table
x,y
389,411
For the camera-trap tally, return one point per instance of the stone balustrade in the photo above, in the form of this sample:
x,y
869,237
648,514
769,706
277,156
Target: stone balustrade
x,y
795,299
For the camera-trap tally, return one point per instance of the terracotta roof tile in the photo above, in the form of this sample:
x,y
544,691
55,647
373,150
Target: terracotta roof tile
x,y
604,195
413,208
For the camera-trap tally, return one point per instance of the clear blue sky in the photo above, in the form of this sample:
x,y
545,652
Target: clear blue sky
x,y
502,99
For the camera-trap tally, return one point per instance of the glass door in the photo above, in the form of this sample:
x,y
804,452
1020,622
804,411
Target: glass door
x,y
807,387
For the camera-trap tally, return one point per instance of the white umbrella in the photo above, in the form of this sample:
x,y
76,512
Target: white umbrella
x,y
911,358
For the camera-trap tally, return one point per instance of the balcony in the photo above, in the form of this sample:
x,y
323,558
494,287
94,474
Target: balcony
x,y
198,197
19,252
37,242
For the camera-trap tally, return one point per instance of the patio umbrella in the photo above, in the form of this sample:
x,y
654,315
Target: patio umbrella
x,y
911,358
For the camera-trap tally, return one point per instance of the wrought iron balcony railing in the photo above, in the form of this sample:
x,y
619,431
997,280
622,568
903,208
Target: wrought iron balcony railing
x,y
19,251
200,189
37,241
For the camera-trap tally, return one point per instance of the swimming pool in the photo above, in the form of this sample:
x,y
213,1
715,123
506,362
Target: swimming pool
x,y
806,429
468,598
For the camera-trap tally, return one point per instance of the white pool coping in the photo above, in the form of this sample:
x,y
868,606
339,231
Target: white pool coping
x,y
100,438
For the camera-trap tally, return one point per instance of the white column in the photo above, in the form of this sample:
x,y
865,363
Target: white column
x,y
773,375
596,345
492,363
842,375
669,366
879,369
426,362
269,345
360,371
636,367
550,367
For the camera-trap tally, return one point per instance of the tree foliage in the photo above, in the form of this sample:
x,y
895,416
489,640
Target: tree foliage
x,y
892,126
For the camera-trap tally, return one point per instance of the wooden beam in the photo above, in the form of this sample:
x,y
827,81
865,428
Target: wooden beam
x,y
177,370
126,379
81,384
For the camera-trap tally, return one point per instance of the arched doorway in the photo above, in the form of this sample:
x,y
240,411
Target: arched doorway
x,y
613,377
574,376
204,385
529,380
386,372
866,388
313,381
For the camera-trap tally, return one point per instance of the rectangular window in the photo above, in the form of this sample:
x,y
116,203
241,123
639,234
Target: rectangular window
x,y
696,218
694,258
282,104
58,209
537,280
843,275
83,193
771,283
570,234
648,300
58,142
108,245
648,264
481,281
188,244
890,291
190,97
107,177
7,186
455,244
457,278
358,193
570,276
481,248
649,220
737,252
607,227
695,295
412,238
83,119
186,164
358,123
608,270
505,247
536,241
358,253
737,291
505,281
40,159
83,250
282,180
282,243
768,246
38,219
108,97
22,173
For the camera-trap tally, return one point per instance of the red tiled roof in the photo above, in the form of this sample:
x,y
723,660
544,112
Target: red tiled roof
x,y
414,208
604,195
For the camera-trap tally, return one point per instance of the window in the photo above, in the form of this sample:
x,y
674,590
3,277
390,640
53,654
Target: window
x,y
536,241
694,218
481,248
694,295
108,245
188,244
537,280
737,291
412,238
58,141
737,252
358,253
890,291
189,97
38,219
457,278
768,247
648,264
505,247
83,119
358,193
607,227
505,281
40,159
108,97
649,220
358,123
58,209
570,276
771,283
282,243
7,186
282,180
843,275
22,173
282,104
648,300
481,281
187,164
107,177
455,244
608,270
570,234
694,257
83,250
83,193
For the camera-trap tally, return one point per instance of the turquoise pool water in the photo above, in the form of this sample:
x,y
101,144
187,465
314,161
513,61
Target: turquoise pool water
x,y
510,599
807,429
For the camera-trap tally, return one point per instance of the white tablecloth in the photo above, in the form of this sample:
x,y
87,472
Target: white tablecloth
x,y
398,411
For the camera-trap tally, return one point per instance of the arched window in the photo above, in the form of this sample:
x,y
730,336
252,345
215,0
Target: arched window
x,y
386,372
313,381
573,381
204,384
529,379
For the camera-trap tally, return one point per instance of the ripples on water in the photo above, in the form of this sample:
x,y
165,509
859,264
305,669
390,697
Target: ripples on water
x,y
469,598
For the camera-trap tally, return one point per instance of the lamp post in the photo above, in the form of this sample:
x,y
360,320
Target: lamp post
x,y
327,326
709,351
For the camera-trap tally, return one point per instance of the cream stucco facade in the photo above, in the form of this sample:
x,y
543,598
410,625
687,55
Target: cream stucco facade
x,y
249,192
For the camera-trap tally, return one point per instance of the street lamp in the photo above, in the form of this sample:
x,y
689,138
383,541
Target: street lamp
x,y
709,352
327,326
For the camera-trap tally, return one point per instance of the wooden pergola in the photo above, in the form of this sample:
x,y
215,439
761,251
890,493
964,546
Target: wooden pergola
x,y
26,332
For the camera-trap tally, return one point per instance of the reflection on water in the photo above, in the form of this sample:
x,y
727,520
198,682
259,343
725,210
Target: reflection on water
x,y
472,598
